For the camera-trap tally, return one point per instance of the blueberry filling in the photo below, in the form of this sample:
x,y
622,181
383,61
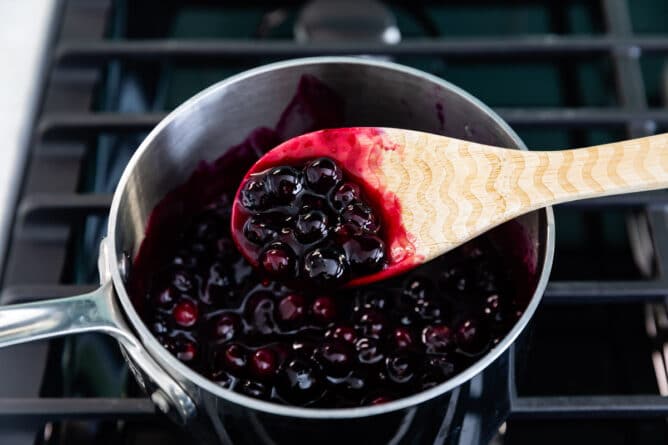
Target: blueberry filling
x,y
309,226
315,346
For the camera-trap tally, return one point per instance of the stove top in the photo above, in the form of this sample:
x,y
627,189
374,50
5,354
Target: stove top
x,y
573,73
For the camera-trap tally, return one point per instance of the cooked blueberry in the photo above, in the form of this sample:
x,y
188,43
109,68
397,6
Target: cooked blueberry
x,y
368,350
185,313
324,309
234,358
366,253
259,230
345,333
226,326
323,174
471,336
371,323
361,216
437,338
183,281
254,194
278,261
252,388
401,368
311,226
402,337
440,367
335,357
263,363
324,266
185,350
299,381
292,308
284,183
312,202
345,194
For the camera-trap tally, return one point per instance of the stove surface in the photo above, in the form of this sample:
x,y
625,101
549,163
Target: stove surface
x,y
573,73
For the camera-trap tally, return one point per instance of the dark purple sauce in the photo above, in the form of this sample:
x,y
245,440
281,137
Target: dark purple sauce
x,y
348,348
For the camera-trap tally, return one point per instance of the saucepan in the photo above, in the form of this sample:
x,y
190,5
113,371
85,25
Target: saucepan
x,y
376,93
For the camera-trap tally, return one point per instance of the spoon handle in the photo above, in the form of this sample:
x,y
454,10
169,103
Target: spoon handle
x,y
453,190
622,167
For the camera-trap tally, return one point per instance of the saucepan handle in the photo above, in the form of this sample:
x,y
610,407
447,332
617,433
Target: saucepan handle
x,y
95,311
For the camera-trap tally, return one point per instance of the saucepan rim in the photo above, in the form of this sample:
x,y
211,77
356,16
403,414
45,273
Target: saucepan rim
x,y
169,361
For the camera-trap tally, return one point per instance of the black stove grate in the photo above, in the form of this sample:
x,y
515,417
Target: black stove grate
x,y
52,210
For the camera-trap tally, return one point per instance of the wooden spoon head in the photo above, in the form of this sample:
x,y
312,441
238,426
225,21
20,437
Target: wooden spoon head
x,y
394,180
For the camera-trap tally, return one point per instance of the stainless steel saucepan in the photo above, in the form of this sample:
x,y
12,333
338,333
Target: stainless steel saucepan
x,y
376,94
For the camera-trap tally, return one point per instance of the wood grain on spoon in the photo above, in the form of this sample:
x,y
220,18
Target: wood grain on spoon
x,y
440,192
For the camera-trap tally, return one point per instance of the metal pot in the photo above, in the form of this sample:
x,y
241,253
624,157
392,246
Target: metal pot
x,y
377,94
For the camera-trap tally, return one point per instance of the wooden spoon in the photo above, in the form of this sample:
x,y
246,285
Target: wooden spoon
x,y
439,192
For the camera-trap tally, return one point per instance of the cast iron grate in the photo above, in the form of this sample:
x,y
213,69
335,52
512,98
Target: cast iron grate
x,y
50,209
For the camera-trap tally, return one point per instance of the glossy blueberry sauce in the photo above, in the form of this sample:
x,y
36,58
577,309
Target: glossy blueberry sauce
x,y
307,225
316,347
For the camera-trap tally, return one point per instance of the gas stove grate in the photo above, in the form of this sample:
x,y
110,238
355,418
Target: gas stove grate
x,y
47,215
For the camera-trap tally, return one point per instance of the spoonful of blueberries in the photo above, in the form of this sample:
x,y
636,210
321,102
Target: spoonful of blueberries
x,y
351,206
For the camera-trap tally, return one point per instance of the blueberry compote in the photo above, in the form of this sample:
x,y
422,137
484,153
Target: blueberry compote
x,y
308,226
318,347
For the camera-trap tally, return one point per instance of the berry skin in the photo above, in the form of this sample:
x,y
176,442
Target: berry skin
x,y
324,310
185,313
300,381
226,326
292,308
371,323
345,333
311,226
259,230
323,266
401,368
346,194
322,174
365,253
234,358
362,217
438,338
185,350
254,195
278,261
402,337
284,183
336,358
263,363
471,336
